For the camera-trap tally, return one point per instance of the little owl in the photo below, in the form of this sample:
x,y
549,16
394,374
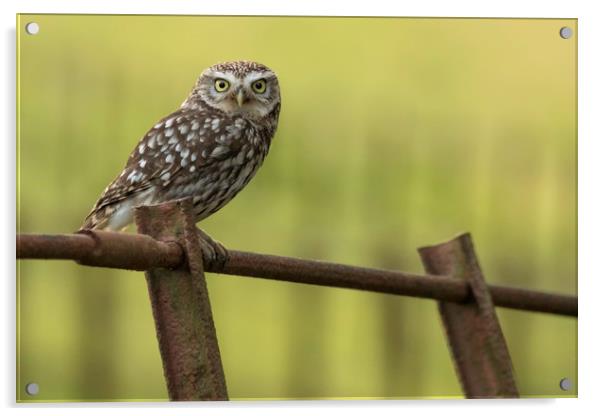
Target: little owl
x,y
208,149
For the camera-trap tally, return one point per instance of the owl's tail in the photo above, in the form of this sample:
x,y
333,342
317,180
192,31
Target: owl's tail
x,y
93,221
99,218
114,217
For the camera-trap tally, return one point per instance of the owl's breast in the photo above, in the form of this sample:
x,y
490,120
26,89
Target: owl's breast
x,y
222,168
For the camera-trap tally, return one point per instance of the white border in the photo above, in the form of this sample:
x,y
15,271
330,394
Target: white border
x,y
508,8
590,203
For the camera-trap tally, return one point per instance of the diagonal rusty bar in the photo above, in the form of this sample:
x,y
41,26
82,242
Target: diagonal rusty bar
x,y
181,308
474,334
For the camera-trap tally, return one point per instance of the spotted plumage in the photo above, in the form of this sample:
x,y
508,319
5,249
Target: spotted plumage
x,y
208,149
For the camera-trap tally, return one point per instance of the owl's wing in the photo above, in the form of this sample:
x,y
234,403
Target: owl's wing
x,y
185,141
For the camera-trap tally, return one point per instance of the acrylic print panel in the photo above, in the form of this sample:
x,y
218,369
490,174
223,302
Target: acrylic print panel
x,y
394,133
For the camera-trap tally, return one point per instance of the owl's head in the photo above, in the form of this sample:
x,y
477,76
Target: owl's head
x,y
239,87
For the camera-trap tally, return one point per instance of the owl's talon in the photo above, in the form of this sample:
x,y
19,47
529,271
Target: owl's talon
x,y
215,255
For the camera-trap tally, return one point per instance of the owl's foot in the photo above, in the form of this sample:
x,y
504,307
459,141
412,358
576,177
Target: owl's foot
x,y
215,254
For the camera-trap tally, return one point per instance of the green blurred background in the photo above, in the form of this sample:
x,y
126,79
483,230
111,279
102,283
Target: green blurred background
x,y
394,134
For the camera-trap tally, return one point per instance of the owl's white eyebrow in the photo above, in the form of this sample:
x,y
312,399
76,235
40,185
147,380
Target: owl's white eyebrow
x,y
218,74
252,76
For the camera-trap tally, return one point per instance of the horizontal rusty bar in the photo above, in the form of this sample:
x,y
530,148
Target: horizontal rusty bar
x,y
102,249
290,269
142,254
530,300
54,246
437,287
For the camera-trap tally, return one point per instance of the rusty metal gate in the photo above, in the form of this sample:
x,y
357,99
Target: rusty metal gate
x,y
168,250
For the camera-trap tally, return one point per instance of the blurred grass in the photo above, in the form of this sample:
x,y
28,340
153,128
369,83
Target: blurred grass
x,y
394,133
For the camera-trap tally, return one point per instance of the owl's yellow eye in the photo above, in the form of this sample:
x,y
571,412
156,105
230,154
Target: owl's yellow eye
x,y
221,85
259,86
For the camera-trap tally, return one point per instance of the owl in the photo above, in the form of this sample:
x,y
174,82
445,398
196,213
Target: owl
x,y
208,149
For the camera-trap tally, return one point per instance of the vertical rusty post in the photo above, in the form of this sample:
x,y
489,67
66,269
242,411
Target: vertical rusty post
x,y
181,308
473,332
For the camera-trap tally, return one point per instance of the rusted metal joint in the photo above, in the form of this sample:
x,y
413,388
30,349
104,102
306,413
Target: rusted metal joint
x,y
183,260
474,335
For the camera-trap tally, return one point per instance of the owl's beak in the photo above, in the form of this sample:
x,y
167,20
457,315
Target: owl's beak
x,y
240,97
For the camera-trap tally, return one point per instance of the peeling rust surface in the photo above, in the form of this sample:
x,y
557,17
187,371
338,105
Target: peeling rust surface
x,y
474,335
181,308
